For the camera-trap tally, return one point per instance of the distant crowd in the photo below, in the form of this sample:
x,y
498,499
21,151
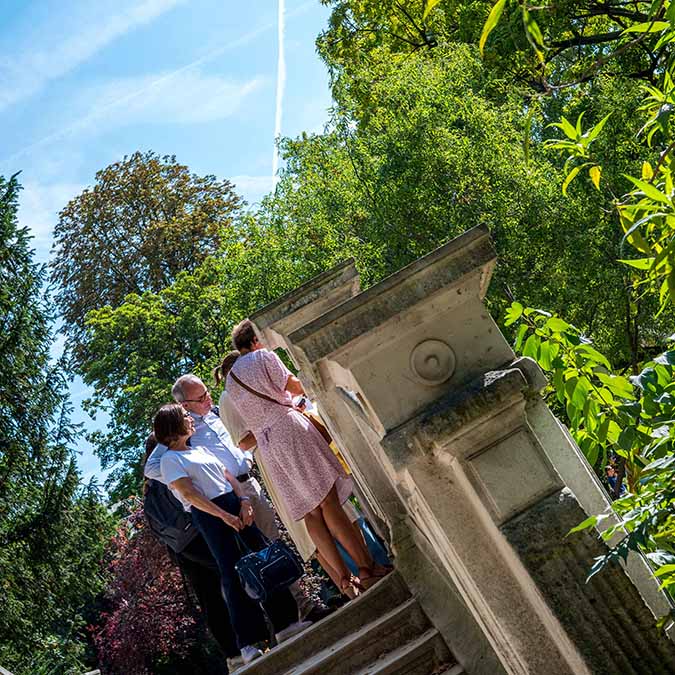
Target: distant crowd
x,y
215,511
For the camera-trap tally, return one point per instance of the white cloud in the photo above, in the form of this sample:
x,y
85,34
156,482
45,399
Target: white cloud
x,y
182,97
252,188
39,206
68,40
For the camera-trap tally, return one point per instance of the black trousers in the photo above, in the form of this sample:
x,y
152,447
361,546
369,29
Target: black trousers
x,y
223,542
201,572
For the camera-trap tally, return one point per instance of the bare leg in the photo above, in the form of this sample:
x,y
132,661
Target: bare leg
x,y
325,545
341,528
330,571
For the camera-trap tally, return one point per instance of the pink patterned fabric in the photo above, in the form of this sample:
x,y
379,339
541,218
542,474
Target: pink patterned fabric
x,y
296,456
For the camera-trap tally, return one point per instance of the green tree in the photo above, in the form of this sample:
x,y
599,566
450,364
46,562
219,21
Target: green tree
x,y
146,219
133,353
52,528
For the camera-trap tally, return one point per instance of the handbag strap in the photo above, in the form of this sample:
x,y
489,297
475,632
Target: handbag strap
x,y
257,393
245,548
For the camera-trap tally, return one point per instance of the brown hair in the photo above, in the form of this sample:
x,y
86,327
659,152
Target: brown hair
x,y
243,335
169,423
220,372
150,445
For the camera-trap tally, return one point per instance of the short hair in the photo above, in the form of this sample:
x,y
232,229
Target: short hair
x,y
178,389
243,335
169,423
220,372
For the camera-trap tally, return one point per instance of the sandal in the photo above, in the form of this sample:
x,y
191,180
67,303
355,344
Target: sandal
x,y
351,587
373,575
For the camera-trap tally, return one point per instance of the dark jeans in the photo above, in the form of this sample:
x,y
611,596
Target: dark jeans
x,y
223,542
201,572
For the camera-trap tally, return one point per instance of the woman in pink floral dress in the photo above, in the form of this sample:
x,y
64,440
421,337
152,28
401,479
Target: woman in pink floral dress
x,y
306,473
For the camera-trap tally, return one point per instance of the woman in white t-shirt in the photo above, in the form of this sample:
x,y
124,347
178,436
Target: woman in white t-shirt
x,y
222,514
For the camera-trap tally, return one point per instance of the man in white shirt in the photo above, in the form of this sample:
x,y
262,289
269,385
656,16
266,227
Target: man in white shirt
x,y
192,394
210,433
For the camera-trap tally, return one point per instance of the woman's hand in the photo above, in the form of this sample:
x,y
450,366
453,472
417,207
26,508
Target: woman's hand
x,y
246,513
231,520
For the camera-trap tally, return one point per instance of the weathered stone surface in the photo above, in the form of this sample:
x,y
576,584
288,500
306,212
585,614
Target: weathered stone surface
x,y
400,291
383,631
453,413
456,453
605,618
305,303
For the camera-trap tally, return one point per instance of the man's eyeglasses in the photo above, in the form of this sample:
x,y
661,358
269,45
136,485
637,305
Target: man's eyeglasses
x,y
201,399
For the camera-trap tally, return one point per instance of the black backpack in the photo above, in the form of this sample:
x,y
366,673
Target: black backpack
x,y
167,519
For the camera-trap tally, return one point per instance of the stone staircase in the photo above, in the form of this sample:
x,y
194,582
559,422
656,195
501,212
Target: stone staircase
x,y
383,632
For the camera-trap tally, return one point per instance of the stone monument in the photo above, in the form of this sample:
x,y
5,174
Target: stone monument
x,y
464,469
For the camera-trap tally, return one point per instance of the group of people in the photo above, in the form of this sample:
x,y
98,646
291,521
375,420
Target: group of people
x,y
205,456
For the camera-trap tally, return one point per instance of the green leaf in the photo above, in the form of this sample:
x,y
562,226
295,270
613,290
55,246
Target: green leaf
x,y
492,20
583,387
639,263
594,173
559,384
531,347
664,569
648,27
567,128
594,132
513,313
429,7
602,430
592,521
522,330
648,190
557,325
591,353
570,177
618,385
534,35
545,355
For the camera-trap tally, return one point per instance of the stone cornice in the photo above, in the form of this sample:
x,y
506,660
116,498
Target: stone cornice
x,y
455,413
344,274
470,253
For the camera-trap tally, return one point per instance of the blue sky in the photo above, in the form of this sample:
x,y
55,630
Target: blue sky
x,y
83,83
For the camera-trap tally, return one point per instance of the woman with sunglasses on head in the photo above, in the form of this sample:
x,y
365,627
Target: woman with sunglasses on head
x,y
222,514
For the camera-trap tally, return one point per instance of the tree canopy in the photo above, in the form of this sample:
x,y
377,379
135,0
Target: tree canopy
x,y
146,219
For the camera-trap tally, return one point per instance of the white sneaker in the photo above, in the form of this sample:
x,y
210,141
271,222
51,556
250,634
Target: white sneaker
x,y
250,653
292,630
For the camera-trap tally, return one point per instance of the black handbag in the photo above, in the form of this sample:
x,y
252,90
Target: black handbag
x,y
263,572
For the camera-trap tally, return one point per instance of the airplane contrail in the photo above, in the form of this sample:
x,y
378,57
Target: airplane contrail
x,y
209,56
281,84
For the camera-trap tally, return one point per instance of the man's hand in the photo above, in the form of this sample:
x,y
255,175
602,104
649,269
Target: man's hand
x,y
246,513
231,520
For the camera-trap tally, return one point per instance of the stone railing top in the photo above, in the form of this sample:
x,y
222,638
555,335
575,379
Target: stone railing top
x,y
464,255
338,277
456,411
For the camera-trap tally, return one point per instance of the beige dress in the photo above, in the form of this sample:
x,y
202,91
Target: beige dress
x,y
237,429
297,458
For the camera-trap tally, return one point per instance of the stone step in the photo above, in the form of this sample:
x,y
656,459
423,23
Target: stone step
x,y
346,621
422,655
360,648
454,670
